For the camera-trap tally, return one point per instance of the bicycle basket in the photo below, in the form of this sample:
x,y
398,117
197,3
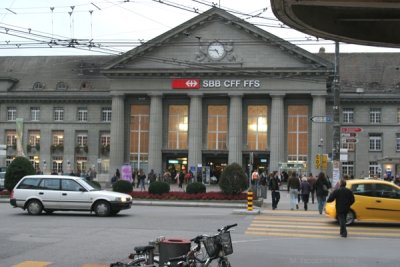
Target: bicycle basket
x,y
213,243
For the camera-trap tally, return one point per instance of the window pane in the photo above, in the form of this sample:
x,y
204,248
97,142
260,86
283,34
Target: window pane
x,y
298,132
177,126
217,127
257,127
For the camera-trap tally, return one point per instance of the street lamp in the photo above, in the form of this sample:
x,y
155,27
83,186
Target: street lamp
x,y
321,147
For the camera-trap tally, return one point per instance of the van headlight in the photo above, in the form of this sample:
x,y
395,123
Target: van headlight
x,y
120,199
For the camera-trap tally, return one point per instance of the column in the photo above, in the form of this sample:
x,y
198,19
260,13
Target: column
x,y
117,147
277,126
318,130
155,134
195,130
235,142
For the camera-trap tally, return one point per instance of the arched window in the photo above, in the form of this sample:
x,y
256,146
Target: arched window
x,y
61,86
38,86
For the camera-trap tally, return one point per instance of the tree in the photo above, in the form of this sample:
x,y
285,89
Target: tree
x,y
18,168
233,180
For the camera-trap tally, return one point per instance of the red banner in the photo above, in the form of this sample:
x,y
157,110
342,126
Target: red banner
x,y
185,84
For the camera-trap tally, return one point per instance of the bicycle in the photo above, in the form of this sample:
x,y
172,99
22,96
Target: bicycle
x,y
218,246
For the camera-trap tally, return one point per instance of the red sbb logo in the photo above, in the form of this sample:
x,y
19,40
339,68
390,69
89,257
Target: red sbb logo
x,y
186,84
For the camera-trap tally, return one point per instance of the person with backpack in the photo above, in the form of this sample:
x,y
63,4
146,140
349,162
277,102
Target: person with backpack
x,y
305,189
274,184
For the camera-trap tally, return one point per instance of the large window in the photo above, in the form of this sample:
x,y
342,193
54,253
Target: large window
x,y
81,139
375,142
34,137
58,137
11,138
139,135
217,127
398,142
348,168
106,114
375,115
57,164
82,114
11,113
177,126
257,127
58,114
35,113
348,115
297,133
374,168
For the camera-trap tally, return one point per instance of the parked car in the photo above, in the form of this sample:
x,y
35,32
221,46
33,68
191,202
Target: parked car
x,y
375,200
49,193
2,178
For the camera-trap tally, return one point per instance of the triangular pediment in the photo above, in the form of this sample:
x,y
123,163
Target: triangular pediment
x,y
216,41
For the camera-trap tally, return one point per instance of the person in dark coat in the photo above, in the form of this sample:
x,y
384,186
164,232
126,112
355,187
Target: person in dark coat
x,y
344,199
322,186
273,185
305,189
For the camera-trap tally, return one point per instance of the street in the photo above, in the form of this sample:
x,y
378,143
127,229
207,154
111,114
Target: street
x,y
273,238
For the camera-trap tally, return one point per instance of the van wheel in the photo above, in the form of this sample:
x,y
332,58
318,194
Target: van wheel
x,y
102,208
34,207
350,218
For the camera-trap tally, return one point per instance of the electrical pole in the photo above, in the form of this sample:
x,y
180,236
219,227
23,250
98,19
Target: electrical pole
x,y
336,117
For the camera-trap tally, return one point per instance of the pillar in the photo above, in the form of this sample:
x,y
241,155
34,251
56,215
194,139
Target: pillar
x,y
117,147
155,134
195,130
318,130
277,126
235,142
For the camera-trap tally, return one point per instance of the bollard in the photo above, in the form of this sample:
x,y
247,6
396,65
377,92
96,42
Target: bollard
x,y
249,200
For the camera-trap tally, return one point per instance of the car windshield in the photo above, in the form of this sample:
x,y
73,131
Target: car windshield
x,y
88,185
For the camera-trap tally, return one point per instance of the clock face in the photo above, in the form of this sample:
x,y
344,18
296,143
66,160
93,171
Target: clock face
x,y
216,51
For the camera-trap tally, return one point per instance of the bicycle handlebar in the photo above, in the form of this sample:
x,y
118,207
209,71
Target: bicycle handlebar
x,y
227,227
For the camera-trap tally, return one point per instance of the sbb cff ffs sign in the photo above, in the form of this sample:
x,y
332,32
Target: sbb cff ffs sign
x,y
185,84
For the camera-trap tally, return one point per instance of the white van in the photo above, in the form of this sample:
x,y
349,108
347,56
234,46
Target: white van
x,y
49,193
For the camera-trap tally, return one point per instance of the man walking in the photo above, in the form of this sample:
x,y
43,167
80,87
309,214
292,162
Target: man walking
x,y
274,184
344,199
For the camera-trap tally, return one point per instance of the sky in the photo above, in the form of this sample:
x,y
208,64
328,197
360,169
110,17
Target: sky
x,y
112,27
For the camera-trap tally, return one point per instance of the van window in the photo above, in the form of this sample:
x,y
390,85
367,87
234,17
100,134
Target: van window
x,y
29,183
50,184
70,185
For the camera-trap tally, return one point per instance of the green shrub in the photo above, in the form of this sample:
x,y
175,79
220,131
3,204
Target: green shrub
x,y
17,169
158,187
233,180
95,184
195,188
122,186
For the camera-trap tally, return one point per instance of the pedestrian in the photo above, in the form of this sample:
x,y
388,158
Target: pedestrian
x,y
322,186
255,178
311,180
344,199
142,180
293,187
181,178
305,189
152,176
263,184
274,184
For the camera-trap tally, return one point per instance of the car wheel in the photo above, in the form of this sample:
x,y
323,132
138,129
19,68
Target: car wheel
x,y
34,207
350,218
115,212
102,208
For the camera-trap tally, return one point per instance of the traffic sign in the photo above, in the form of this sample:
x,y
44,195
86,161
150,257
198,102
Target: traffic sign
x,y
322,119
348,134
350,140
351,130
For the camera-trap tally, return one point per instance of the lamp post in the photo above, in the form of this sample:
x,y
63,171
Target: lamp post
x,y
321,147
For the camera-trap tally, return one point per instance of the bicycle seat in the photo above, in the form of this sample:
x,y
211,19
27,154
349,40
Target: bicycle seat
x,y
143,249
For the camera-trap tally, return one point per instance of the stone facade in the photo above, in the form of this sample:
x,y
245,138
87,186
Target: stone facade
x,y
256,68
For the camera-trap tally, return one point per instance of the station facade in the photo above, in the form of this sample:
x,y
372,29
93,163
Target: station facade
x,y
213,91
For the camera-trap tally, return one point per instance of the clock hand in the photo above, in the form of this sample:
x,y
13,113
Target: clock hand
x,y
216,50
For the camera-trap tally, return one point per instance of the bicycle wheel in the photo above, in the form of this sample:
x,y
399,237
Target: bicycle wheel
x,y
141,262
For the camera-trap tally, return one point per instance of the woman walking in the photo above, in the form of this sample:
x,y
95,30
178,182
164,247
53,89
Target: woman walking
x,y
322,186
305,188
293,189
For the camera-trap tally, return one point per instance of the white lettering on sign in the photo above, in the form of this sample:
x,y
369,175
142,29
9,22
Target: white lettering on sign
x,y
231,83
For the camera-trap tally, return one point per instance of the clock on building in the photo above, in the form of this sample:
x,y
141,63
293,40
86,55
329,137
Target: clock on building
x,y
216,51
